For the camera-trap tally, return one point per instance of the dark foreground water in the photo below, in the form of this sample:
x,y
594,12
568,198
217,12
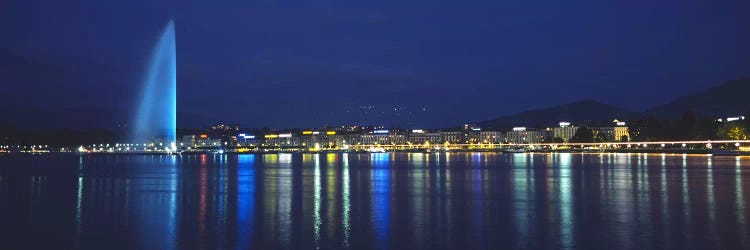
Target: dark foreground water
x,y
361,201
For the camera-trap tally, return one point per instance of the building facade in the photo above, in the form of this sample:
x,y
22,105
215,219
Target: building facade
x,y
420,137
454,137
524,136
622,134
490,137
564,132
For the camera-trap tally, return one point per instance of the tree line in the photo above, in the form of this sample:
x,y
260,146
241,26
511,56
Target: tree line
x,y
687,127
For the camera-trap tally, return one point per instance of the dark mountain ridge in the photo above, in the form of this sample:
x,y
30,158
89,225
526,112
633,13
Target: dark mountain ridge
x,y
725,100
589,112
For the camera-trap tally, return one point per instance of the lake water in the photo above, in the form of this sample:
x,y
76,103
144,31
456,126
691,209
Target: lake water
x,y
374,201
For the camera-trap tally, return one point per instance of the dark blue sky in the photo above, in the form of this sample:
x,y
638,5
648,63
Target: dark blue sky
x,y
409,63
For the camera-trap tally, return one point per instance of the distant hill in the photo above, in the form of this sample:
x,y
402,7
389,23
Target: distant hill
x,y
728,99
588,111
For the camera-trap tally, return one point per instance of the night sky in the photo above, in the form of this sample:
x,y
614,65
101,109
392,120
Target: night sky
x,y
396,63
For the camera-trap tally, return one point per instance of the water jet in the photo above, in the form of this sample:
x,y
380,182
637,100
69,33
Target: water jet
x,y
156,117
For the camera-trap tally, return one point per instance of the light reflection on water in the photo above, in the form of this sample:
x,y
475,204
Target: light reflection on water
x,y
245,200
346,197
316,201
740,202
566,200
383,200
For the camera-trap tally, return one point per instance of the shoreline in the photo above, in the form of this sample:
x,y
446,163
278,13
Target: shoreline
x,y
582,151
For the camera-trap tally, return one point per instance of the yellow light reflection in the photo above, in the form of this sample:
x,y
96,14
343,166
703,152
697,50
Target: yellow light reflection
x,y
346,200
316,202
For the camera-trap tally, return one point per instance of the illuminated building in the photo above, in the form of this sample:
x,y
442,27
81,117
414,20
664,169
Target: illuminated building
x,y
325,139
382,137
471,133
453,136
565,132
604,132
352,138
286,139
188,140
521,135
244,139
621,132
610,133
419,136
205,141
310,138
333,139
490,137
617,132
374,138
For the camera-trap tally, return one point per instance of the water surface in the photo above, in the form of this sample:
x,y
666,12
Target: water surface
x,y
374,201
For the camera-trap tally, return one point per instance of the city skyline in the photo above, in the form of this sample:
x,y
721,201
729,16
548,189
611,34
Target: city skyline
x,y
481,124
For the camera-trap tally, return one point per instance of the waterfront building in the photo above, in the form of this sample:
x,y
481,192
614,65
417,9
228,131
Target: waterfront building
x,y
285,139
522,135
244,139
419,136
611,133
398,137
490,137
606,133
187,141
204,141
433,137
310,138
547,135
471,133
334,139
383,137
622,133
564,132
352,138
379,136
453,137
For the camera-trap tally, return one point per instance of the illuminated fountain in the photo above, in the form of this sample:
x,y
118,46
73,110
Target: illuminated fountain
x,y
156,118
